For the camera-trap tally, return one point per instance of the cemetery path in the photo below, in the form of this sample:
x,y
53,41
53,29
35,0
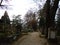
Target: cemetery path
x,y
32,38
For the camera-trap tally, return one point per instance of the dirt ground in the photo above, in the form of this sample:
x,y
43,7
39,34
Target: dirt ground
x,y
32,38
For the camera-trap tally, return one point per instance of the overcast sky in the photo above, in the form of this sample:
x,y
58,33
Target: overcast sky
x,y
19,7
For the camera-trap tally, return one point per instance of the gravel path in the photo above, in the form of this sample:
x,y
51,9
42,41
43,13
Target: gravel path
x,y
31,39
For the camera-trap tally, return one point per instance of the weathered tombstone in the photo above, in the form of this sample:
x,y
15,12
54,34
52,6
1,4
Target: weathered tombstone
x,y
52,33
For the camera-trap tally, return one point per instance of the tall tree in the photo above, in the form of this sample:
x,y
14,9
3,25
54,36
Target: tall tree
x,y
5,18
31,21
51,11
17,23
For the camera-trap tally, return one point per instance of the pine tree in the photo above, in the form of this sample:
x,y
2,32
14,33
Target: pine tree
x,y
5,18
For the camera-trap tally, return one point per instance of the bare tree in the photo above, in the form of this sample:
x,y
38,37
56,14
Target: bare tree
x,y
51,8
31,21
2,6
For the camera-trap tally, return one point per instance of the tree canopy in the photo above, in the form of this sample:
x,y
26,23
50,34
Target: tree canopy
x,y
5,18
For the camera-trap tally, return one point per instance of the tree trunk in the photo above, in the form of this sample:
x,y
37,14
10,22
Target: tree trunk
x,y
50,14
47,16
53,10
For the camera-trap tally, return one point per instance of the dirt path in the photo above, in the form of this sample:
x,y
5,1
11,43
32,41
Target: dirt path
x,y
31,39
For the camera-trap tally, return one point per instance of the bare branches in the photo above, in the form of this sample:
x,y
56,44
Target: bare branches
x,y
4,6
1,2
